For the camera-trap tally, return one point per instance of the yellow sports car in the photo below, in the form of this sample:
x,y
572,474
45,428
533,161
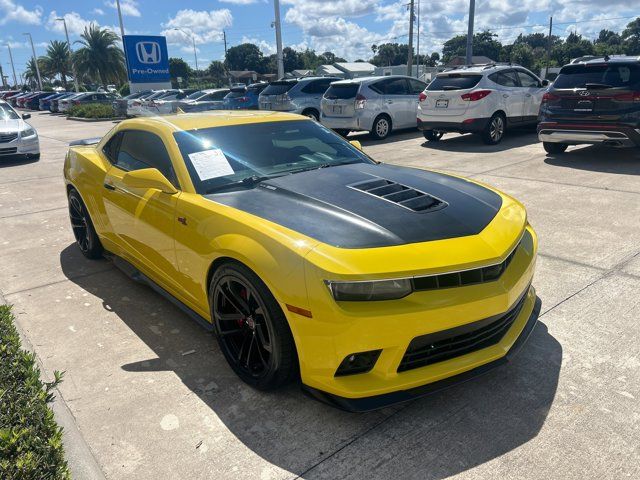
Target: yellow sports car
x,y
372,283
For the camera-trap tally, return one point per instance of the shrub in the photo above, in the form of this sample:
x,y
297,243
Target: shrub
x,y
91,110
30,440
124,90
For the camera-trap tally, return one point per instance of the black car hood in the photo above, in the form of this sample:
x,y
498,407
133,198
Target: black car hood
x,y
326,204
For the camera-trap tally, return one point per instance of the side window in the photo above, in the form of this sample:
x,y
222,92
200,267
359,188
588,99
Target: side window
x,y
138,150
527,80
317,86
506,78
395,86
377,87
416,86
111,147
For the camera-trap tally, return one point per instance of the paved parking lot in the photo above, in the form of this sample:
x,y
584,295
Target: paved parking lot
x,y
154,398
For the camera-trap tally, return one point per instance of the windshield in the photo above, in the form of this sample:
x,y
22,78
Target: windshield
x,y
236,94
278,88
218,156
603,76
7,113
454,82
195,95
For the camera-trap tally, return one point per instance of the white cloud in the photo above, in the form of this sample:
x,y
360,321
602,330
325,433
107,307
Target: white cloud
x,y
242,2
13,12
75,23
97,11
127,7
204,26
265,47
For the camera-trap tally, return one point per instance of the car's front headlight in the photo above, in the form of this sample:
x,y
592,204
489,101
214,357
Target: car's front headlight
x,y
370,290
28,132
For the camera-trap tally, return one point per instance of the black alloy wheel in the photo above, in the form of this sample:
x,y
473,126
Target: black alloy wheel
x,y
83,231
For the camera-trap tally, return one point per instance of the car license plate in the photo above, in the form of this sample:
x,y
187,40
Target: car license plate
x,y
442,103
337,109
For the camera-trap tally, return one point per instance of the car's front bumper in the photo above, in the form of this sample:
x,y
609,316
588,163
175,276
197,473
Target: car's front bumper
x,y
28,148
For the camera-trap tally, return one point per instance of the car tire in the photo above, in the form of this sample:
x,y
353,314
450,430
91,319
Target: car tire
x,y
251,329
381,127
494,130
82,226
312,113
432,135
554,148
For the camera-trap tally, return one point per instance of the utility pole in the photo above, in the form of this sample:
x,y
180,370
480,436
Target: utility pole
x,y
276,6
15,80
418,47
4,84
120,20
195,54
224,36
410,53
546,71
73,68
35,60
472,12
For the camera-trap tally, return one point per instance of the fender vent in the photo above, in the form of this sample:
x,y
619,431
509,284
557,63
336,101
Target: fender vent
x,y
399,194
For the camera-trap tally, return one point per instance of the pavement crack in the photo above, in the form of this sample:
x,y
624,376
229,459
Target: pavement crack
x,y
33,212
66,279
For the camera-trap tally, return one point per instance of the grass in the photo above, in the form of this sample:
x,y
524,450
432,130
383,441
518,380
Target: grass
x,y
91,110
30,439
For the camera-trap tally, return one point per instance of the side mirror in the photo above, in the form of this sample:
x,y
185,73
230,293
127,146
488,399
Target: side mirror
x,y
356,144
546,83
26,116
148,178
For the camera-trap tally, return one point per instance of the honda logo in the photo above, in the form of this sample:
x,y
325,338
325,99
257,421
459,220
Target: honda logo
x,y
148,52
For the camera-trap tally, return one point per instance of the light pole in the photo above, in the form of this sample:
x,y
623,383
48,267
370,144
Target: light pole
x,y
73,68
472,10
15,80
35,60
276,6
195,53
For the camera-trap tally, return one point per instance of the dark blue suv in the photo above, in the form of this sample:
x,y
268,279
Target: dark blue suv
x,y
243,98
595,101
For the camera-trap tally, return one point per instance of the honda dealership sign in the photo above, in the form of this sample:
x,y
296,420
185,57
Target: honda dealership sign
x,y
147,62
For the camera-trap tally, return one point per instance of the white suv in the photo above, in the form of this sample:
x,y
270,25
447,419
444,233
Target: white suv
x,y
480,99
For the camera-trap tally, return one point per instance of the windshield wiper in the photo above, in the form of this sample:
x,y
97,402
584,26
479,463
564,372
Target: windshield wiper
x,y
324,165
251,181
597,86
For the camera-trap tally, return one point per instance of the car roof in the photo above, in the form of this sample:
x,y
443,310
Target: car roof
x,y
221,118
369,79
590,60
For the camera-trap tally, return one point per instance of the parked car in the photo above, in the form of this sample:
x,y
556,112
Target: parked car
x,y
138,106
166,103
13,99
596,101
33,102
374,104
64,104
244,98
297,95
485,100
8,93
211,100
20,102
45,101
18,139
121,105
54,104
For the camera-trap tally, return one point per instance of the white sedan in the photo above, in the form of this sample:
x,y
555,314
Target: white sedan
x,y
18,139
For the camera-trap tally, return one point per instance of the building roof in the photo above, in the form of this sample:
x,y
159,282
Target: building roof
x,y
329,69
242,73
354,66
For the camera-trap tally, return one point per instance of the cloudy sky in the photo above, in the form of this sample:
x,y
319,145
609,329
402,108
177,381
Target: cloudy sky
x,y
346,27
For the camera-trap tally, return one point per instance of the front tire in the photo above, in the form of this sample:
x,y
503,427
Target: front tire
x,y
554,148
432,135
381,127
83,230
494,130
251,328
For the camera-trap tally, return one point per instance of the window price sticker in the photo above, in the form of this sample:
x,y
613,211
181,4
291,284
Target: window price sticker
x,y
211,164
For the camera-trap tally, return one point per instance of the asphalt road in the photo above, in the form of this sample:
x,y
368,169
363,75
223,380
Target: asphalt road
x,y
568,406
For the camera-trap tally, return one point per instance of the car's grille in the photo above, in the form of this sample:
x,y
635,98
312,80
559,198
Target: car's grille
x,y
465,277
8,137
8,151
399,194
440,346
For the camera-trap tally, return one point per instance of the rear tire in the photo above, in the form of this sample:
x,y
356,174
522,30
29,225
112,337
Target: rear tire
x,y
432,135
494,130
251,328
83,230
554,148
312,113
381,127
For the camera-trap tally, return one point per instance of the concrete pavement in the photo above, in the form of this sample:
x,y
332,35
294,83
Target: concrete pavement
x,y
567,407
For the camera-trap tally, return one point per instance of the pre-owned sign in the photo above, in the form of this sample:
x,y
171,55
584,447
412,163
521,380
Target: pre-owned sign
x,y
147,58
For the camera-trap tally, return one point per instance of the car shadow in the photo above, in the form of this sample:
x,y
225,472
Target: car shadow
x,y
470,143
596,158
395,136
14,162
434,437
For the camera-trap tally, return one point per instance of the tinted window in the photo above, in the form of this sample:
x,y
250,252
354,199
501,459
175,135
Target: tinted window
x,y
256,88
394,86
454,81
195,95
612,75
416,86
342,91
506,78
278,88
276,148
111,147
236,94
317,86
219,95
527,80
138,150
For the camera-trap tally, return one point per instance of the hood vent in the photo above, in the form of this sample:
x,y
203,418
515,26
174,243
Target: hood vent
x,y
406,197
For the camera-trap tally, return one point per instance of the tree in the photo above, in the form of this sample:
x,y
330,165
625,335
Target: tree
x,y
179,68
100,58
30,72
217,72
484,43
57,61
246,56
390,54
631,37
608,43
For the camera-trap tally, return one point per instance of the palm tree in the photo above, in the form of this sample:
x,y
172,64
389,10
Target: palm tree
x,y
58,60
30,73
100,57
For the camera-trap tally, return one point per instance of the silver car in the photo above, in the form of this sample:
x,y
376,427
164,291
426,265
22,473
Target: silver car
x,y
210,99
297,95
18,139
374,104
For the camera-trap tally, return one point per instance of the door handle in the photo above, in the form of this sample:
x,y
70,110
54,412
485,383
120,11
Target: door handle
x,y
389,101
108,186
528,94
505,95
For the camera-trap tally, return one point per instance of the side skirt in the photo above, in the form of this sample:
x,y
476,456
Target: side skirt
x,y
132,272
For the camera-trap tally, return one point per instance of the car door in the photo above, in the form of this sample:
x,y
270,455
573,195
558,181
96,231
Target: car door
x,y
533,91
416,87
511,95
142,220
396,102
